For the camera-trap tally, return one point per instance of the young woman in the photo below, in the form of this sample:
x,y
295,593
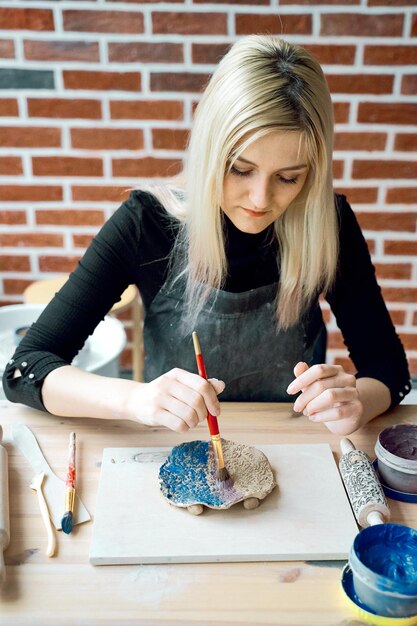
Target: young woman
x,y
241,255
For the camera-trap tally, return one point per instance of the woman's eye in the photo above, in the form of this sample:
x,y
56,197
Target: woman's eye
x,y
288,181
281,179
234,170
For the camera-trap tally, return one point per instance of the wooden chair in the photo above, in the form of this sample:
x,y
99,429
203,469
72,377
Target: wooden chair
x,y
42,292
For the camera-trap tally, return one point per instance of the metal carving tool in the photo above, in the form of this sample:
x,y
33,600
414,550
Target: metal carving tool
x,y
53,487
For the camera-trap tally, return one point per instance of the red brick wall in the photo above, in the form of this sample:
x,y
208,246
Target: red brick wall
x,y
96,97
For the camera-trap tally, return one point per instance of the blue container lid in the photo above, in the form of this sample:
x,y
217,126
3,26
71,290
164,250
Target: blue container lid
x,y
394,494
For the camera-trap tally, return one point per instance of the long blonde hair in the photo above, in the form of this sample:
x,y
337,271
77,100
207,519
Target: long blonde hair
x,y
262,84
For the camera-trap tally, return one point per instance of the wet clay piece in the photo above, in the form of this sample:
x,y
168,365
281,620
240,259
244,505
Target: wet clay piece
x,y
188,476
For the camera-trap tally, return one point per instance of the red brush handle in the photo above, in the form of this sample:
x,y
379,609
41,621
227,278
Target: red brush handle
x,y
211,419
71,463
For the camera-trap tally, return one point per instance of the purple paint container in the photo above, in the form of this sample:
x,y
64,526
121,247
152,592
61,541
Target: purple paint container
x,y
396,449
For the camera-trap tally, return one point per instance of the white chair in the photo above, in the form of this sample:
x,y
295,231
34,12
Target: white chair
x,y
42,291
100,353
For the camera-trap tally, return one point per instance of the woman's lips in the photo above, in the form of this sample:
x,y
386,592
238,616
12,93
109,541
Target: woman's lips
x,y
255,213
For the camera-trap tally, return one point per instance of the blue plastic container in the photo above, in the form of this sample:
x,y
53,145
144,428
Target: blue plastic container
x,y
383,560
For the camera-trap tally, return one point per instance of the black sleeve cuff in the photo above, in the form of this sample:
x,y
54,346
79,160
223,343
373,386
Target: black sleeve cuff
x,y
398,390
27,388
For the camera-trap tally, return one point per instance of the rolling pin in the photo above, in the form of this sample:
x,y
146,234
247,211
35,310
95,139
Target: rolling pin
x,y
362,485
4,507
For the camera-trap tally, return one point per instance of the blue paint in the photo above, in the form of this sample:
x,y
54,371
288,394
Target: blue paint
x,y
383,559
390,550
188,477
184,476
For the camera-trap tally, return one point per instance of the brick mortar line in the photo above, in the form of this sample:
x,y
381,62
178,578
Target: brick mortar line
x,y
147,22
60,229
408,25
122,123
166,153
107,166
179,39
105,112
65,140
146,82
393,235
27,164
66,191
92,153
231,24
178,96
76,94
103,51
58,18
117,181
156,66
196,38
398,259
187,48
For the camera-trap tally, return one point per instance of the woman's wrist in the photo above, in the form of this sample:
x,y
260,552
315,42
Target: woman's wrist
x,y
375,398
127,404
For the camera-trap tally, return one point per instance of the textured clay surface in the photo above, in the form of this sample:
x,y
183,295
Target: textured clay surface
x,y
188,476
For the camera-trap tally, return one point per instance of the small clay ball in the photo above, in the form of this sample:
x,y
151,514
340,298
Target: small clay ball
x,y
250,503
196,509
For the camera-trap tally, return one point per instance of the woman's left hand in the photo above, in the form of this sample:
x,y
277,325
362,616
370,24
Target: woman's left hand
x,y
329,395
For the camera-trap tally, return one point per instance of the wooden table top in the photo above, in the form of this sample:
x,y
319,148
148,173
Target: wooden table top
x,y
66,589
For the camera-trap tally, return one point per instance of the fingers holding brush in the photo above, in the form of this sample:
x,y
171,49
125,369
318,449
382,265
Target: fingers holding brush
x,y
177,400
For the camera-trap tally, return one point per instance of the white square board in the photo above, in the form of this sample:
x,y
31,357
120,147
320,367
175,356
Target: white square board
x,y
308,516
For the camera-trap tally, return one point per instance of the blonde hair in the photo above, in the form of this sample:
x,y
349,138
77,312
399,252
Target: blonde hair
x,y
262,84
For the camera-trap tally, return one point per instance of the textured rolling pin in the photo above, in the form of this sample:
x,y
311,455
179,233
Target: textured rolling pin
x,y
4,507
362,485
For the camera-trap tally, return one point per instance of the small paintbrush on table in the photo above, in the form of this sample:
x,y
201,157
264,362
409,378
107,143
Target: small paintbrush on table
x,y
67,521
222,473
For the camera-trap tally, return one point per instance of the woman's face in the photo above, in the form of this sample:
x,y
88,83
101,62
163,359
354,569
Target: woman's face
x,y
264,180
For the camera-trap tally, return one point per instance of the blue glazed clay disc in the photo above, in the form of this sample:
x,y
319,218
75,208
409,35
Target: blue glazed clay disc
x,y
188,476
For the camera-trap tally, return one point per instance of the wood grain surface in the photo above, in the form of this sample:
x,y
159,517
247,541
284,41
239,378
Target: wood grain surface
x,y
67,590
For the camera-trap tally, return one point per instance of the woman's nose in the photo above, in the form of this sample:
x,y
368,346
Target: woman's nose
x,y
260,194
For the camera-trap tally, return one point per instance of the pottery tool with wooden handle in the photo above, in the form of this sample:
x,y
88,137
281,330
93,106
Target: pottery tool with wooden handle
x,y
362,486
222,473
36,484
4,507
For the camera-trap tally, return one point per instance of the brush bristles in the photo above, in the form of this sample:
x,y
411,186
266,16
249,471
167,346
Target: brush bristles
x,y
224,477
67,522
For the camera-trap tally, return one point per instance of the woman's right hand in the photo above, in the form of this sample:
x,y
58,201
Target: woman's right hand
x,y
178,400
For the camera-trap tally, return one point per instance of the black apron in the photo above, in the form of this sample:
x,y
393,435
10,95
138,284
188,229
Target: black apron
x,y
239,340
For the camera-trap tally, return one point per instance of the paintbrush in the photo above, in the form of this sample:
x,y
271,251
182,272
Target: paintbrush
x,y
67,521
222,473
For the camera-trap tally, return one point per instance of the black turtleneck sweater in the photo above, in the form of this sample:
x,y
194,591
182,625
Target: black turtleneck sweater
x,y
134,246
